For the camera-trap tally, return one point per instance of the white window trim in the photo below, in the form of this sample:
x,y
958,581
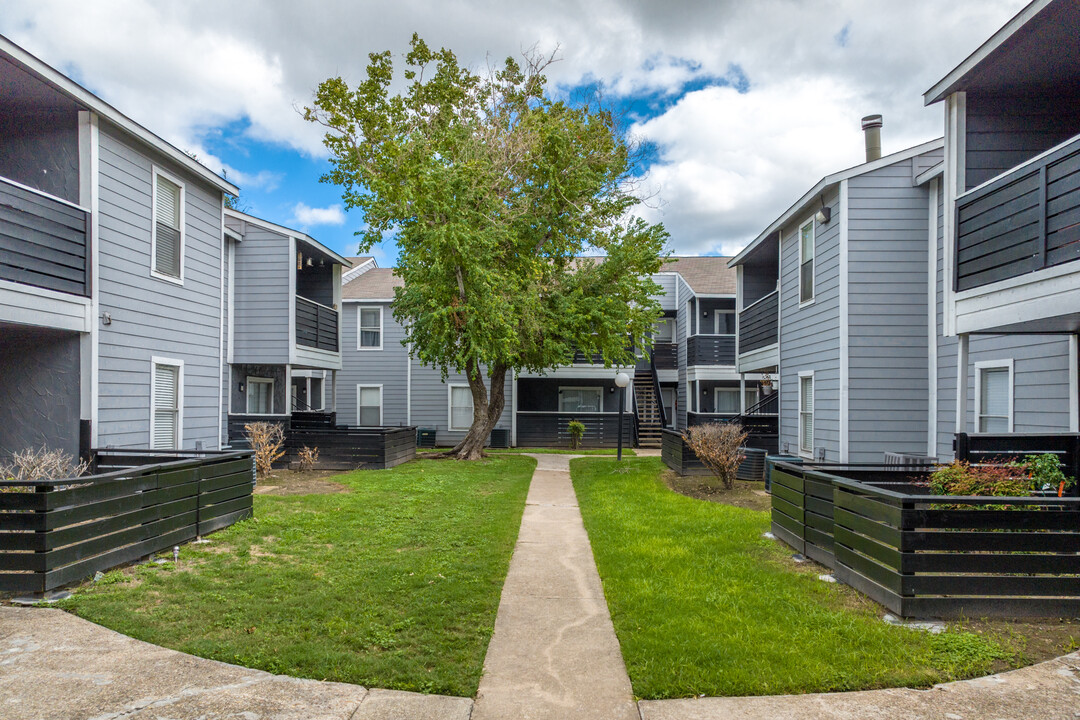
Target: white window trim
x,y
247,387
450,405
597,388
361,386
157,172
813,392
980,367
716,397
359,314
813,275
716,322
179,364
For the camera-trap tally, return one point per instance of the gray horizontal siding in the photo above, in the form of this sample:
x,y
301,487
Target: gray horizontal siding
x,y
888,383
152,317
810,335
261,297
667,290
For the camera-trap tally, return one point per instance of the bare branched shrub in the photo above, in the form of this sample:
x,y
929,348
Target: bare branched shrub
x,y
308,457
40,464
717,446
268,442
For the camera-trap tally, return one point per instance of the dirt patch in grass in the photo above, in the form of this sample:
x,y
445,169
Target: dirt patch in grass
x,y
749,495
296,482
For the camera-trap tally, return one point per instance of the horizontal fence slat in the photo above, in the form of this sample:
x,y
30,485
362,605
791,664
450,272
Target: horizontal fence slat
x,y
978,541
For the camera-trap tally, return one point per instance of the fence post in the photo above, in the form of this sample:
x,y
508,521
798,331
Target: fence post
x,y
1076,464
963,446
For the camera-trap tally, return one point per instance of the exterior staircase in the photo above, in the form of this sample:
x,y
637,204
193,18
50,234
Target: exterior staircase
x,y
647,407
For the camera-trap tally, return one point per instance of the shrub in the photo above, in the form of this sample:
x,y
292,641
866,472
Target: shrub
x,y
308,457
268,441
960,478
719,448
576,428
1045,472
41,464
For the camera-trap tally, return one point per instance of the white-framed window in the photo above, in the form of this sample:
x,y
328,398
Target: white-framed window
x,y
260,396
726,401
369,331
723,322
461,407
994,396
664,331
806,262
806,413
369,405
166,403
753,395
167,228
581,399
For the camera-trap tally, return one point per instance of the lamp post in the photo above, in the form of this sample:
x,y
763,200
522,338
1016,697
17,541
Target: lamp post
x,y
621,381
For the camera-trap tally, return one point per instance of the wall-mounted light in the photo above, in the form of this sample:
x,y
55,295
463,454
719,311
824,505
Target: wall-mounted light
x,y
824,215
299,261
310,262
106,318
241,387
704,313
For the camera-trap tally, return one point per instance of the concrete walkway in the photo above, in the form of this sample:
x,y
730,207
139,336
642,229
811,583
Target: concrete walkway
x,y
553,653
54,665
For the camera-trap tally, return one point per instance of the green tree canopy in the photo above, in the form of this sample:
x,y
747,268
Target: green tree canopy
x,y
492,191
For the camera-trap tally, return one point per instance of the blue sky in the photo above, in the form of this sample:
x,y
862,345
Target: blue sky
x,y
740,106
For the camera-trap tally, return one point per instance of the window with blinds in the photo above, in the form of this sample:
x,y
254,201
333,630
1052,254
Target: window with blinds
x,y
726,401
806,262
368,406
370,328
664,331
994,396
806,414
581,399
168,239
165,423
461,407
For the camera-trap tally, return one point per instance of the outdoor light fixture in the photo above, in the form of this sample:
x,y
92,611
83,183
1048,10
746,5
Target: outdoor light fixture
x,y
241,387
823,215
299,261
310,262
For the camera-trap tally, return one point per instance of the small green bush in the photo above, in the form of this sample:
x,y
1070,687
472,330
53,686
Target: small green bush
x,y
576,428
1015,479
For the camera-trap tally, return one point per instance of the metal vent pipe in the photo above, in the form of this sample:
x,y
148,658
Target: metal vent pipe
x,y
871,125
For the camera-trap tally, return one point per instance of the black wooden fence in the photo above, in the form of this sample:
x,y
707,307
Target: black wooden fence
x,y
932,556
55,532
993,447
346,448
549,429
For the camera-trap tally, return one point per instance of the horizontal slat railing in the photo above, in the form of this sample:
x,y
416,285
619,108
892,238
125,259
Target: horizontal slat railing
x,y
549,429
316,325
1022,221
710,350
932,556
59,531
759,323
44,241
665,356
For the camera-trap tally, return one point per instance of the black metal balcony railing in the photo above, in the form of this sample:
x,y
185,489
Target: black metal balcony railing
x,y
710,350
316,325
44,241
759,323
1024,221
665,356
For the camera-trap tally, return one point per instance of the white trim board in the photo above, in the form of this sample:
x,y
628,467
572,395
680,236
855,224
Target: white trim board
x,y
294,234
845,330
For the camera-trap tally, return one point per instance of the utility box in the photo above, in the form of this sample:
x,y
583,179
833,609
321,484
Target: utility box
x,y
425,437
500,438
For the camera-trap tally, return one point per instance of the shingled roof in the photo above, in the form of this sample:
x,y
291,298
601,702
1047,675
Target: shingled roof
x,y
704,275
375,284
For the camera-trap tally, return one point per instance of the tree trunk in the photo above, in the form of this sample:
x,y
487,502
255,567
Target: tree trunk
x,y
486,411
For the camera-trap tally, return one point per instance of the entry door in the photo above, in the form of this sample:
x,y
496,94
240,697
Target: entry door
x,y
668,397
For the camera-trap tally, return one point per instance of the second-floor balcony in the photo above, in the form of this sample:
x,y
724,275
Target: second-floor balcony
x,y
759,324
710,350
665,355
1023,221
316,325
44,241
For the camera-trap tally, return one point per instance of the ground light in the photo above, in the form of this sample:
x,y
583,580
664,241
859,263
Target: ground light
x,y
621,381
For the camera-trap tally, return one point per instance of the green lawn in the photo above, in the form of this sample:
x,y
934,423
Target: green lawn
x,y
703,604
394,584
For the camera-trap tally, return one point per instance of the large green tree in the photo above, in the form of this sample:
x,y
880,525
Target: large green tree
x,y
492,190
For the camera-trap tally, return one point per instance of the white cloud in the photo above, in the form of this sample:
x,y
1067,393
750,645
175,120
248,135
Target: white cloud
x,y
728,162
307,216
